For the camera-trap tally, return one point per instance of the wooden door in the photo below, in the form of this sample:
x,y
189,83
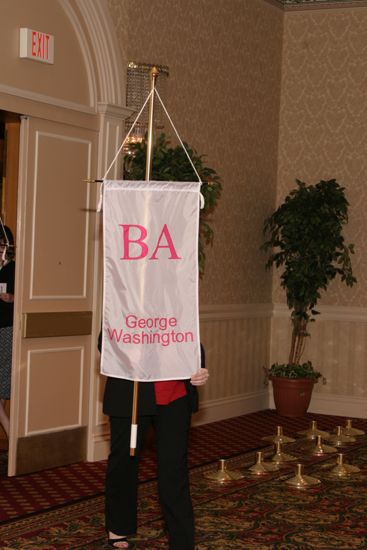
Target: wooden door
x,y
9,162
54,296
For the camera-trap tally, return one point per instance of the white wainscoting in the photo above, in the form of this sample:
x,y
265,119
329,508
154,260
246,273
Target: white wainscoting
x,y
219,409
338,349
240,340
236,340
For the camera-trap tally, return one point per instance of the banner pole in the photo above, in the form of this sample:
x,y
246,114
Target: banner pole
x,y
148,172
148,166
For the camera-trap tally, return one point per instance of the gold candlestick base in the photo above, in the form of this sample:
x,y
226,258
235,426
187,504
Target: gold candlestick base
x,y
281,458
349,430
301,481
279,436
224,475
261,467
313,431
321,449
341,469
339,439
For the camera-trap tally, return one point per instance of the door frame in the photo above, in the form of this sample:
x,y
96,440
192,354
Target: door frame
x,y
105,68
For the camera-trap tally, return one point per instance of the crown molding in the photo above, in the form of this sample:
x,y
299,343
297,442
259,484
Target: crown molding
x,y
301,5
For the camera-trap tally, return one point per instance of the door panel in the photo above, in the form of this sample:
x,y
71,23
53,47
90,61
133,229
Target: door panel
x,y
54,279
54,376
57,250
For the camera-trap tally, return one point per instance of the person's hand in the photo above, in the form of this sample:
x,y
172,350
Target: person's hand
x,y
200,377
6,297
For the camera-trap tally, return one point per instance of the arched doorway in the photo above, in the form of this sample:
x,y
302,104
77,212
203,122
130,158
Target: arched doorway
x,y
71,123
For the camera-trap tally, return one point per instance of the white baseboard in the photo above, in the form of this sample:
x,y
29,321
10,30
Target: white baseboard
x,y
220,409
334,404
339,405
101,447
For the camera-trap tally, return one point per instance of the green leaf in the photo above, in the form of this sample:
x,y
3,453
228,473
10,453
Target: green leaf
x,y
304,238
287,370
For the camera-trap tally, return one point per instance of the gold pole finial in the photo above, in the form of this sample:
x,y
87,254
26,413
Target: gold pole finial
x,y
154,72
148,167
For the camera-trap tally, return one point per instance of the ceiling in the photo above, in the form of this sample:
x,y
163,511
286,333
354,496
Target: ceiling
x,y
320,3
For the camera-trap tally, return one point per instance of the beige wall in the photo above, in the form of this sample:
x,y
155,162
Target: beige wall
x,y
323,121
227,65
323,134
224,59
67,78
223,95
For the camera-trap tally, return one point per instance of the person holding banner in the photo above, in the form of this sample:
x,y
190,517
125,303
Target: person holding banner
x,y
7,275
150,335
167,406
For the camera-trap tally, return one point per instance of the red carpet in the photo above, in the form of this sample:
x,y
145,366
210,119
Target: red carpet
x,y
25,495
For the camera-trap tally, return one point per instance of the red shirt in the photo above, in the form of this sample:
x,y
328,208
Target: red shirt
x,y
168,391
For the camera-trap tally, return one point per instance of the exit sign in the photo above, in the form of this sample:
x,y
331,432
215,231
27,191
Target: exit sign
x,y
36,45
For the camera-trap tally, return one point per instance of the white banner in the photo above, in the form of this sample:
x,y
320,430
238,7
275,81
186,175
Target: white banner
x,y
150,328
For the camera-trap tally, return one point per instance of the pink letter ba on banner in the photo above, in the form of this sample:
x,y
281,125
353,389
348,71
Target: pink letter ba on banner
x,y
150,326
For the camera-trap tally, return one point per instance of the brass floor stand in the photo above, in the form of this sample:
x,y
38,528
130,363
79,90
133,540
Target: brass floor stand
x,y
223,474
340,439
321,449
343,470
313,431
349,430
281,458
261,467
279,437
302,481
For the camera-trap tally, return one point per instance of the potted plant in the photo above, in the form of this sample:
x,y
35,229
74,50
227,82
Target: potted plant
x,y
171,164
304,237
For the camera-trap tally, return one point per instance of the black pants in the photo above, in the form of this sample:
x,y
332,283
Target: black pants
x,y
172,424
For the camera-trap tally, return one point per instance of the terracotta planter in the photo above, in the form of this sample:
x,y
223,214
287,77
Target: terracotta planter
x,y
292,396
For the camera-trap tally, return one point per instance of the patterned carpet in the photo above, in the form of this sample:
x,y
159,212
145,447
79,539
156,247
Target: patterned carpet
x,y
27,494
255,513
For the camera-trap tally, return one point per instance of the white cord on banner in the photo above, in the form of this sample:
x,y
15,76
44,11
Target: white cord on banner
x,y
202,200
99,207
